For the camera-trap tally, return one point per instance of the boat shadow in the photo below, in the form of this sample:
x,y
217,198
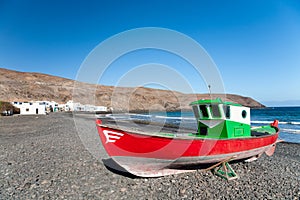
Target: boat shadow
x,y
114,167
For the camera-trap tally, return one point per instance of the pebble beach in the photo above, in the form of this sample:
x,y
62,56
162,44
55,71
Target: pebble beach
x,y
50,157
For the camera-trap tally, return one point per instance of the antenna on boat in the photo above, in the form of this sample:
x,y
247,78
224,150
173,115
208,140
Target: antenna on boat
x,y
209,89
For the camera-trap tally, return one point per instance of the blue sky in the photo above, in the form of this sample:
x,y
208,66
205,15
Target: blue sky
x,y
255,44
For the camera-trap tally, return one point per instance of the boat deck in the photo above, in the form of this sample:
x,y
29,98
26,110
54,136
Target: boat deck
x,y
151,128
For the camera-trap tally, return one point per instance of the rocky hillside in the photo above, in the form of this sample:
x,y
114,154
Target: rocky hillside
x,y
22,86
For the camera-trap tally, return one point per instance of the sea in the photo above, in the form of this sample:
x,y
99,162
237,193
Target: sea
x,y
289,119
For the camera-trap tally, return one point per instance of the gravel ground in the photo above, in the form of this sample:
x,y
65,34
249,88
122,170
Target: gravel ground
x,y
53,157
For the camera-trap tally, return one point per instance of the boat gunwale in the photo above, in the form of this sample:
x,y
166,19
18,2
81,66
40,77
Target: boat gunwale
x,y
180,137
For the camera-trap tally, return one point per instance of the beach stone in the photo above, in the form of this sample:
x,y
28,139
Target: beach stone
x,y
182,191
44,182
49,161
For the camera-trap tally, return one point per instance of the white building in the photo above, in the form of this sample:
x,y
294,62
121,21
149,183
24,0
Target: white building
x,y
41,107
50,104
31,108
101,109
73,106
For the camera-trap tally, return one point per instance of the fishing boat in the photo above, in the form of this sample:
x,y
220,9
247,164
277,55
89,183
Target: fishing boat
x,y
223,135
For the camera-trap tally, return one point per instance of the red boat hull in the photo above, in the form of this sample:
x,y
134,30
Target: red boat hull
x,y
150,155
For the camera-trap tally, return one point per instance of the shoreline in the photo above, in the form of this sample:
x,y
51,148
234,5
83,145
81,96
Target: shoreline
x,y
45,157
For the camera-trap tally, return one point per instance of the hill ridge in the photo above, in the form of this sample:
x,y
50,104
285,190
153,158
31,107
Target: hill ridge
x,y
31,86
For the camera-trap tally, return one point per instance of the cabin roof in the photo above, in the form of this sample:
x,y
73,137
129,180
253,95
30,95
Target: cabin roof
x,y
213,101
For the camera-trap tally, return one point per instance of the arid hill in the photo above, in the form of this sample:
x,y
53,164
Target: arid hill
x,y
23,86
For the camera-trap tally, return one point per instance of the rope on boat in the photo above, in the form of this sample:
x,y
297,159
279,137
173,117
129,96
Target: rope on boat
x,y
219,163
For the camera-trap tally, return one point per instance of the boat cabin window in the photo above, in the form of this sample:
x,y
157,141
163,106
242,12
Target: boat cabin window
x,y
196,111
215,111
244,114
204,111
227,111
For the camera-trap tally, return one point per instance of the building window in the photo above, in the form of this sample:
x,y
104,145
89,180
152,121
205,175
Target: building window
x,y
27,109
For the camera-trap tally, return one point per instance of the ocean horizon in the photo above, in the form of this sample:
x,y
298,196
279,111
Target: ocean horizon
x,y
288,116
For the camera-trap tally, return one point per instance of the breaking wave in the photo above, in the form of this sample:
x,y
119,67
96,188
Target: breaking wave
x,y
268,122
288,130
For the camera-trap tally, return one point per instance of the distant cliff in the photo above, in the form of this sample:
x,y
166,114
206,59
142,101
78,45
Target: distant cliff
x,y
24,86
